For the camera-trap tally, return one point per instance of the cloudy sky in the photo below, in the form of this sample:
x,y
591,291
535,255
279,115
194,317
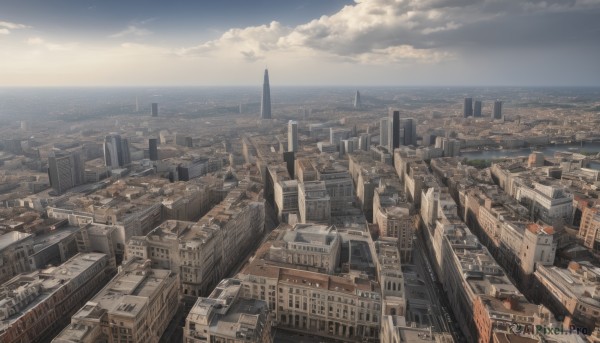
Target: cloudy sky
x,y
303,42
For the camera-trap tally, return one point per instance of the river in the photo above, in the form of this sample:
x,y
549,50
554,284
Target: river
x,y
548,151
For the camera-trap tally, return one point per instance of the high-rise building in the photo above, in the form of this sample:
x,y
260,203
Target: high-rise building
x,y
65,170
497,113
468,107
357,102
154,109
265,104
477,109
116,151
293,136
408,131
384,132
153,149
394,136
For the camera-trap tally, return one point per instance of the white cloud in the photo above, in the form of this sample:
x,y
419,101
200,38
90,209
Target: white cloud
x,y
38,41
6,27
131,30
13,26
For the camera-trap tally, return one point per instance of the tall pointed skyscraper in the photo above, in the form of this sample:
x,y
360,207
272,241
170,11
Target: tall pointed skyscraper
x,y
265,104
357,102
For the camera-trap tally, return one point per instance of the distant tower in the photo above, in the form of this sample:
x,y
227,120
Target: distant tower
x,y
153,149
265,104
65,170
408,131
154,109
497,113
394,136
293,136
137,105
468,107
116,151
477,109
357,103
383,132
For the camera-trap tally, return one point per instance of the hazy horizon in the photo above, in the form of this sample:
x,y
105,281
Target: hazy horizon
x,y
303,42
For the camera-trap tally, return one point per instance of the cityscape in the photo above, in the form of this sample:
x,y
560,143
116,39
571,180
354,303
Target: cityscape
x,y
344,207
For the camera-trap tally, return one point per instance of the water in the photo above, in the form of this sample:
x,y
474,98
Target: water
x,y
548,151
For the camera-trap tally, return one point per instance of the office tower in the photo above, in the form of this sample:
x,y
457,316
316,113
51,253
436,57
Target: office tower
x,y
394,136
153,149
468,107
65,170
116,151
137,105
364,142
384,132
357,103
497,114
265,104
293,136
408,131
155,109
477,109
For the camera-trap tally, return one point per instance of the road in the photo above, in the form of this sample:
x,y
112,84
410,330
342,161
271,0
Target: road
x,y
440,314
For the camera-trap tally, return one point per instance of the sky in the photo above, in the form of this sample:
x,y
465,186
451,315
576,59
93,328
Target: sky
x,y
302,42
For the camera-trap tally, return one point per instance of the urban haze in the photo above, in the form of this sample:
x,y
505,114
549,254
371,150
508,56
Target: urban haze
x,y
300,171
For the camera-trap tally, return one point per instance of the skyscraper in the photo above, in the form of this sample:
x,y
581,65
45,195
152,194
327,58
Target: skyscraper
x,y
477,110
357,103
468,107
394,135
265,104
65,170
408,131
293,136
116,151
154,110
384,131
153,149
497,113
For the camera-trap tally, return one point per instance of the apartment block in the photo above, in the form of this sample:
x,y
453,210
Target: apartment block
x,y
202,253
572,293
318,304
224,316
37,305
135,306
314,202
15,250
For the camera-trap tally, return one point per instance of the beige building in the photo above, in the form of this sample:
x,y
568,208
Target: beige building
x,y
286,199
15,249
314,203
390,278
135,306
393,215
589,229
36,306
311,245
573,292
203,253
224,316
345,308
